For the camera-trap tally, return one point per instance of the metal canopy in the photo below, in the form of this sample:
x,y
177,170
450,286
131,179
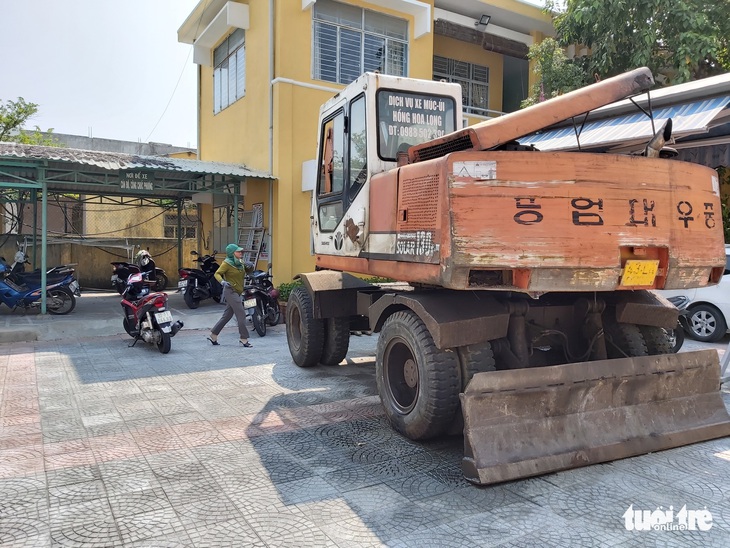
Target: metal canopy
x,y
110,173
68,170
687,119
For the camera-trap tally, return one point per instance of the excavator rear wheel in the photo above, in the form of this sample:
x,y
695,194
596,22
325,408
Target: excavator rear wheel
x,y
623,339
418,383
304,333
657,340
336,340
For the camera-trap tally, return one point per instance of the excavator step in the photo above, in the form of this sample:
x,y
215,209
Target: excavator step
x,y
528,422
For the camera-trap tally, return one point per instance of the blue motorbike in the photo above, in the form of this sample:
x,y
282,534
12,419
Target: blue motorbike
x,y
24,290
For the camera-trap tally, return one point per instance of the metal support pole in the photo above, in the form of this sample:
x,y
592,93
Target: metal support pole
x,y
235,212
44,239
179,234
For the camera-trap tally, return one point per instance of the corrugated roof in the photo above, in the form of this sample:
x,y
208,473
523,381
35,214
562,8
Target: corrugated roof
x,y
117,161
687,119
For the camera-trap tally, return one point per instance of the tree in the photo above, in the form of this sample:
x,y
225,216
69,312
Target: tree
x,y
556,74
678,41
13,115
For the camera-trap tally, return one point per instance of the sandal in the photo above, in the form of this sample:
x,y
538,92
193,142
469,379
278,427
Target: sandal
x,y
214,343
246,345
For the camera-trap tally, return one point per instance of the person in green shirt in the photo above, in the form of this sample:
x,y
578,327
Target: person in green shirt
x,y
231,275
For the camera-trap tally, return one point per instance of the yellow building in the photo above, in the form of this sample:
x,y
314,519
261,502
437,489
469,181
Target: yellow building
x,y
265,67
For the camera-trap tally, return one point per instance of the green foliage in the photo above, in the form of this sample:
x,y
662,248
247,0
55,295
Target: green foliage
x,y
286,288
726,222
375,280
13,116
557,75
678,41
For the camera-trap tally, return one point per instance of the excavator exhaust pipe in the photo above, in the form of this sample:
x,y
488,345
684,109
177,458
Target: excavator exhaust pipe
x,y
528,422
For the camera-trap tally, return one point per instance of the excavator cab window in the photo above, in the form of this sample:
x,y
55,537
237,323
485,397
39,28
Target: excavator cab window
x,y
332,171
358,148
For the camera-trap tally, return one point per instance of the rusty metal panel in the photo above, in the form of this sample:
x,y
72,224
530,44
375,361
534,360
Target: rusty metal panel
x,y
528,422
454,318
418,202
646,308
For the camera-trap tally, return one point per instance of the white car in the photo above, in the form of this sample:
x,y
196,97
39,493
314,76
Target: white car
x,y
709,307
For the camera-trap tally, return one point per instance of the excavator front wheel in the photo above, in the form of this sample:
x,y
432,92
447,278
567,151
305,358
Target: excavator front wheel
x,y
304,332
418,383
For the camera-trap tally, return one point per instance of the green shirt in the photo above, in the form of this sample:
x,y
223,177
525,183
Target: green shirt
x,y
232,275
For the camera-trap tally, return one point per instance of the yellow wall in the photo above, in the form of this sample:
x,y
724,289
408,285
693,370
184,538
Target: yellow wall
x,y
473,53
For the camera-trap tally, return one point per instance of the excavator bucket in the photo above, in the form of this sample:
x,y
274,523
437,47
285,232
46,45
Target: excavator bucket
x,y
527,422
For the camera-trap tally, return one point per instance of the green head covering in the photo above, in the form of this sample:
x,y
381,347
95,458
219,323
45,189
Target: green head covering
x,y
231,259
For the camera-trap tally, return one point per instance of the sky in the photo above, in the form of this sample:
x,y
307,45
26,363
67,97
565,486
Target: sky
x,y
102,68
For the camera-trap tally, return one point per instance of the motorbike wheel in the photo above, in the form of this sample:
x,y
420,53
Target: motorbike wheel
x,y
165,343
190,300
259,322
160,282
127,327
60,301
273,314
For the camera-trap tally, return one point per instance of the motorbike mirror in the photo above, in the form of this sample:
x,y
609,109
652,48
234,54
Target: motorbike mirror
x,y
194,253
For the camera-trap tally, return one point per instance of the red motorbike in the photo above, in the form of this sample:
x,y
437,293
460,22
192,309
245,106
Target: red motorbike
x,y
146,316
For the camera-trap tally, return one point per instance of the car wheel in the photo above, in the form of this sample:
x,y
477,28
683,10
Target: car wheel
x,y
706,323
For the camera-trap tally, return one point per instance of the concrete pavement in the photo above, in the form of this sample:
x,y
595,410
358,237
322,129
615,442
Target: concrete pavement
x,y
106,445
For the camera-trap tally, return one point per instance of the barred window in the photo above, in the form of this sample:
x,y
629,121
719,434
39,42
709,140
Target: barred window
x,y
348,41
229,73
188,225
474,81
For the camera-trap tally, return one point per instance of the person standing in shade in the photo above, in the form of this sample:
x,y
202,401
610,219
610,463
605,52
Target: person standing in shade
x,y
231,274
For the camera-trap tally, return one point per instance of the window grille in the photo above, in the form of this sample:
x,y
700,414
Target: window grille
x,y
229,73
188,225
474,81
348,41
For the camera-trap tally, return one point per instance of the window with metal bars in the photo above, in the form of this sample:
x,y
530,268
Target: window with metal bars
x,y
474,81
348,41
188,225
229,73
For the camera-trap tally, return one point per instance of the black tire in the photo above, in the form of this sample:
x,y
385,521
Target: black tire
x,y
623,339
336,340
165,343
417,383
475,358
706,323
304,333
273,314
259,321
189,299
60,301
160,282
657,340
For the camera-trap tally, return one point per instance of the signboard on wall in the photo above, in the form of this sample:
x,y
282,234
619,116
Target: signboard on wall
x,y
137,180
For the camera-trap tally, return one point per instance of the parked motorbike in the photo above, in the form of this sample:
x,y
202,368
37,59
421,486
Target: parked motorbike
x,y
146,316
198,284
261,300
122,270
17,291
676,335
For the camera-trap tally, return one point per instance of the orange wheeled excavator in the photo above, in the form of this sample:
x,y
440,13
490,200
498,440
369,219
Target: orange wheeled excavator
x,y
525,316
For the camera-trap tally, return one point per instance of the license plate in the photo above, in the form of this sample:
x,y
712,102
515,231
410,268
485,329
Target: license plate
x,y
249,303
115,278
639,273
74,287
182,284
164,317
